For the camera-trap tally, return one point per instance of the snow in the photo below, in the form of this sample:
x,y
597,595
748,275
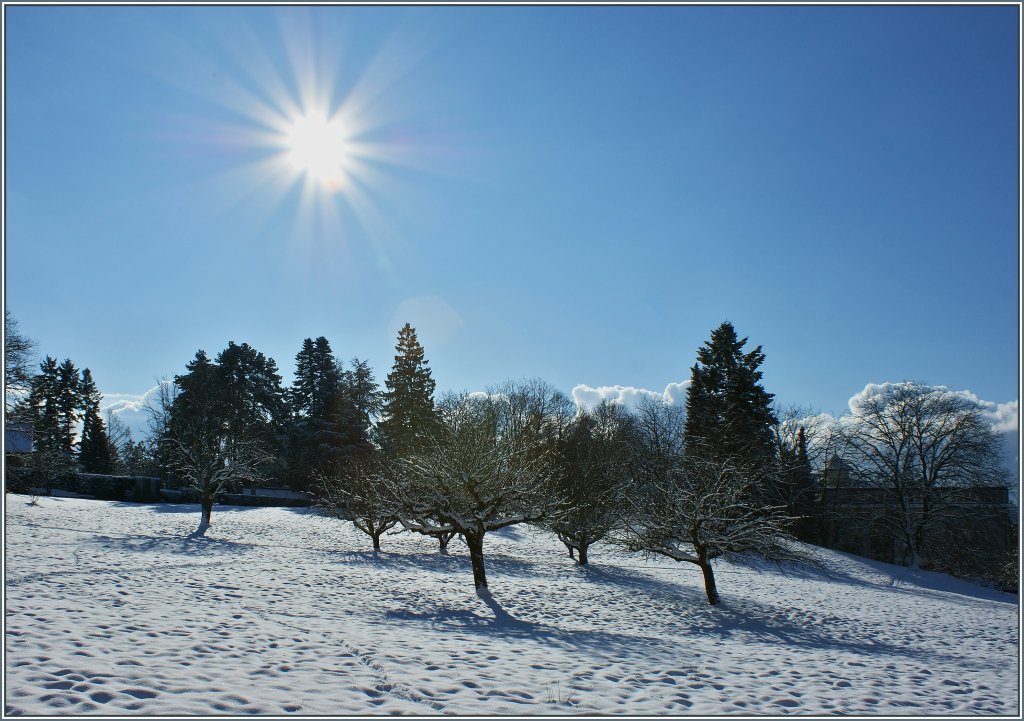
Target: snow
x,y
112,608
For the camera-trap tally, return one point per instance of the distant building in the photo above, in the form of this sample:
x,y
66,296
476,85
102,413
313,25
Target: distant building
x,y
972,530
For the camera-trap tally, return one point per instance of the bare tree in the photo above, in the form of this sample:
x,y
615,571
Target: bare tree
x,y
657,443
485,470
357,490
703,510
18,362
925,451
590,474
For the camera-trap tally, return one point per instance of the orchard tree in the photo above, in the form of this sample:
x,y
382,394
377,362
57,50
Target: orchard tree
x,y
357,489
481,472
591,473
703,510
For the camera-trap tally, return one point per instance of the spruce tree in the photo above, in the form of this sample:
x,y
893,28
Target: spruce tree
x,y
68,403
53,408
94,454
43,402
327,427
728,411
408,417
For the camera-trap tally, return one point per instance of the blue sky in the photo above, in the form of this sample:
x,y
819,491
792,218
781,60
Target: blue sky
x,y
576,193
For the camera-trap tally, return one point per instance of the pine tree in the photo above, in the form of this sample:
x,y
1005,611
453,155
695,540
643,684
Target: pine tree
x,y
408,418
94,454
728,411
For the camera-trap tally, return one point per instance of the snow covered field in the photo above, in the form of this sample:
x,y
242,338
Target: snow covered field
x,y
113,609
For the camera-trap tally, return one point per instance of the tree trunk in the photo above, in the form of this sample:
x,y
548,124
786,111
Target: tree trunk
x,y
710,587
583,555
475,541
442,542
206,503
376,540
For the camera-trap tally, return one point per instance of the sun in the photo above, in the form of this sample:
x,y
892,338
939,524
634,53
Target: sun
x,y
317,147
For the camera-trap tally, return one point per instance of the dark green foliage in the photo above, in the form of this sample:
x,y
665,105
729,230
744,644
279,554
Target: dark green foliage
x,y
728,411
94,455
43,405
331,412
317,379
53,413
204,449
408,417
360,387
68,405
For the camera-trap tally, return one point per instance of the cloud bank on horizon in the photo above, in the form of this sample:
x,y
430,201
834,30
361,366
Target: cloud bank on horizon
x,y
130,409
629,396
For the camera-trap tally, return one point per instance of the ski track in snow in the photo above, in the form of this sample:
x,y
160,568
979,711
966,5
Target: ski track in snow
x,y
113,609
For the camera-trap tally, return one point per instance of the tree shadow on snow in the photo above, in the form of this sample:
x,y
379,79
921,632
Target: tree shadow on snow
x,y
190,545
497,621
434,562
187,508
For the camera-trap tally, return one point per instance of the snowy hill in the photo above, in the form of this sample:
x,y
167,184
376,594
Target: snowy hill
x,y
113,609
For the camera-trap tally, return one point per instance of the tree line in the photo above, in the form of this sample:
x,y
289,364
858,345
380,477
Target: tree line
x,y
729,474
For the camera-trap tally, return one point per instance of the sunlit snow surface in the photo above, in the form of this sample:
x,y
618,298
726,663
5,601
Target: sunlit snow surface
x,y
112,609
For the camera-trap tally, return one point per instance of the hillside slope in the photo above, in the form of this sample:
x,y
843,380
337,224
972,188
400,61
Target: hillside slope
x,y
113,609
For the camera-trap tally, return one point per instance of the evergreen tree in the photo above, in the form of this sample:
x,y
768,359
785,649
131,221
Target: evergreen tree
x,y
728,411
43,404
408,417
94,454
196,440
318,378
328,406
53,408
361,388
68,404
253,401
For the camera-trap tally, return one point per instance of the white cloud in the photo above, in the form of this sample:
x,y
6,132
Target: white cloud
x,y
1002,416
629,396
130,409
